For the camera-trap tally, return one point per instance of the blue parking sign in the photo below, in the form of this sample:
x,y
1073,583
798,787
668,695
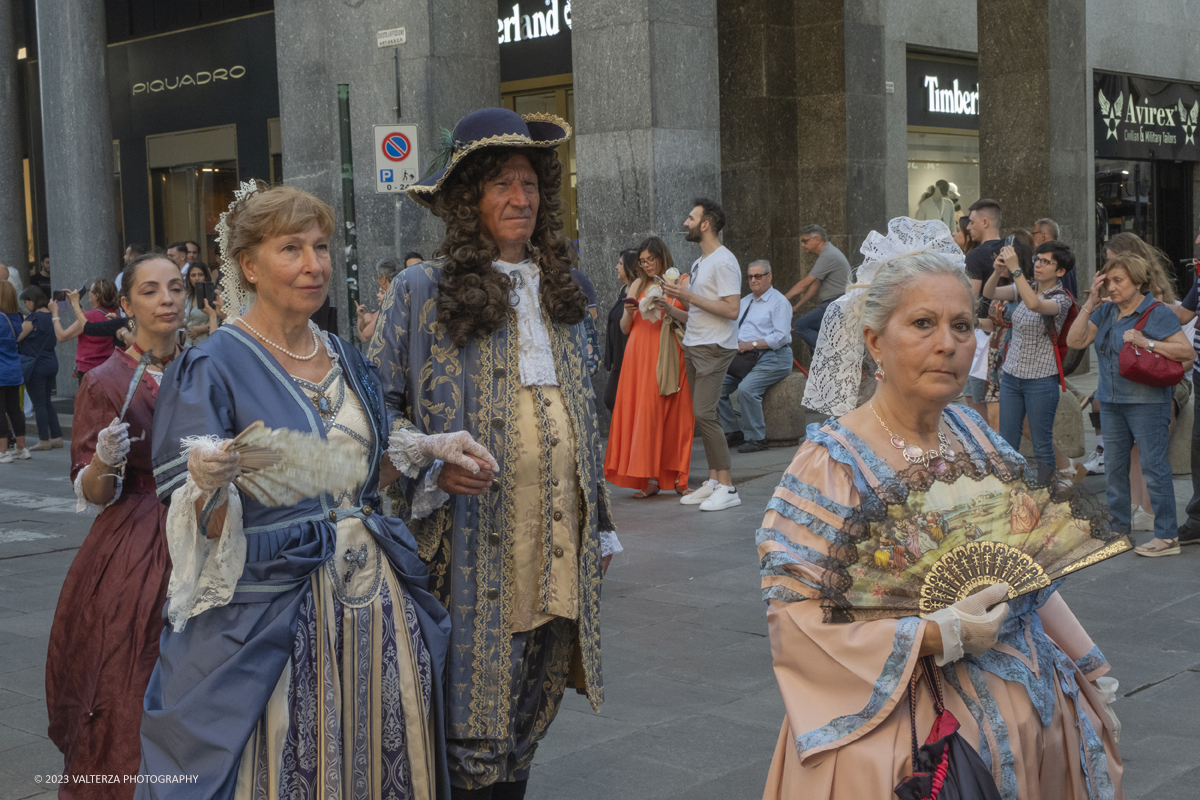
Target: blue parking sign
x,y
385,176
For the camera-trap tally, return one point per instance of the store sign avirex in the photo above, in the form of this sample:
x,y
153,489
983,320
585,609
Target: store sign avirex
x,y
1145,118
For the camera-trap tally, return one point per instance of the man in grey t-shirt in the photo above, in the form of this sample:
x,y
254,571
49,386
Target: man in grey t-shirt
x,y
827,280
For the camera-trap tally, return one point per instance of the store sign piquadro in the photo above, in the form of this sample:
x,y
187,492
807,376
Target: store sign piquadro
x,y
1145,118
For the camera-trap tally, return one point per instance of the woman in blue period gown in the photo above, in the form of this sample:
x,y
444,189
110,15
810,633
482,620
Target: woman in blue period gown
x,y
303,653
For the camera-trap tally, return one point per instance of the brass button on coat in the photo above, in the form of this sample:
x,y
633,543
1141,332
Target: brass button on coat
x,y
495,484
554,442
333,516
367,511
493,538
493,594
499,372
557,516
498,423
554,481
558,552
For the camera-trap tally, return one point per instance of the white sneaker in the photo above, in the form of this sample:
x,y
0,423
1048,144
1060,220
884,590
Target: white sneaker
x,y
1142,521
6,457
1095,462
723,497
700,494
21,455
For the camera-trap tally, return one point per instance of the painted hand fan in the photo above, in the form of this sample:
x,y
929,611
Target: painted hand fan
x,y
281,467
949,540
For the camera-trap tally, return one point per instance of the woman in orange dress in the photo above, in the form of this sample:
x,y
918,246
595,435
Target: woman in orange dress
x,y
650,440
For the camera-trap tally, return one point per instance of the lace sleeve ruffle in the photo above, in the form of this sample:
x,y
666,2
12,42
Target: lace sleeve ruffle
x,y
204,571
610,544
83,506
404,448
429,497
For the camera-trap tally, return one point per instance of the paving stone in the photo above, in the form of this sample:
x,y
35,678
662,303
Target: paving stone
x,y
761,709
29,717
30,682
646,699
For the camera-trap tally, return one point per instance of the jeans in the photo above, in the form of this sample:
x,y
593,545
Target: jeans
x,y
1037,399
772,367
39,388
1148,426
1193,507
807,326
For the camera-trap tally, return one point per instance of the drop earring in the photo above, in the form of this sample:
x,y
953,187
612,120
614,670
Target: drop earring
x,y
879,376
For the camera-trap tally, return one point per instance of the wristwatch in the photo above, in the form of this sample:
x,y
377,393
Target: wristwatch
x,y
756,344
1150,345
1016,273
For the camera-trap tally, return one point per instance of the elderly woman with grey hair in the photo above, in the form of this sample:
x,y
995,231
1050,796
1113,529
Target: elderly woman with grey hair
x,y
1019,678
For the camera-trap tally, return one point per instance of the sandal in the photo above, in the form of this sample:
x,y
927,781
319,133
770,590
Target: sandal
x,y
1165,547
642,494
682,491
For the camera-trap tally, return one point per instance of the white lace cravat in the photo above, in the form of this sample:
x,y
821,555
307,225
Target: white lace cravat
x,y
537,363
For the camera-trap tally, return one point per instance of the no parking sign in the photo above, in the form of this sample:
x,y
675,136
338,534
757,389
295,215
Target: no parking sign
x,y
395,157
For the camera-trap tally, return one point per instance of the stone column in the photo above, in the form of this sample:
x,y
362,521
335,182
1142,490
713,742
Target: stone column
x,y
450,65
77,137
1034,89
647,114
13,245
842,121
760,133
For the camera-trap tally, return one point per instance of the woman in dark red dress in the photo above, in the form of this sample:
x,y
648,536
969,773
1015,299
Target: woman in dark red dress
x,y
104,641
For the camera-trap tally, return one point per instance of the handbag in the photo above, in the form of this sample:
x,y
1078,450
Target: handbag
x,y
1143,366
743,363
946,767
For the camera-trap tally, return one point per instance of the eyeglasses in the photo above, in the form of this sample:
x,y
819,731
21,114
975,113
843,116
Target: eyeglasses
x,y
1045,261
645,262
757,277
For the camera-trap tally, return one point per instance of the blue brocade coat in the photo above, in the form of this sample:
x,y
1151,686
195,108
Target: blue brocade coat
x,y
431,386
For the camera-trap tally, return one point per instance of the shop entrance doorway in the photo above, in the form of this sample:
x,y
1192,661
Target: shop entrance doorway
x,y
553,94
193,176
1152,199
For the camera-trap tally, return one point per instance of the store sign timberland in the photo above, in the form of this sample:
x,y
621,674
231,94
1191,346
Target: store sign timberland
x,y
942,93
535,38
1145,118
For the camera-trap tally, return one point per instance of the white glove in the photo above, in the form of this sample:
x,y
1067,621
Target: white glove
x,y
967,626
1108,687
112,443
409,450
212,467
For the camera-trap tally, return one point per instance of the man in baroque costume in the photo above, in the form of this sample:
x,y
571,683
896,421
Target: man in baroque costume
x,y
482,357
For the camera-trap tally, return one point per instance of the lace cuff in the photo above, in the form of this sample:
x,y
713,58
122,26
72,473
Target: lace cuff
x,y
429,497
404,449
610,544
83,505
204,571
951,629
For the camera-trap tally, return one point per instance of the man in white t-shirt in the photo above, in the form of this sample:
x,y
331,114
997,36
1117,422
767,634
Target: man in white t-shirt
x,y
710,299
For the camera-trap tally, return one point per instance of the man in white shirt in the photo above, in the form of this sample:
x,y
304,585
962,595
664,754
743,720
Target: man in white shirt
x,y
764,359
710,308
12,275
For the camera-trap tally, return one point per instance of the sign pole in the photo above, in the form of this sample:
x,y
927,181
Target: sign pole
x,y
350,231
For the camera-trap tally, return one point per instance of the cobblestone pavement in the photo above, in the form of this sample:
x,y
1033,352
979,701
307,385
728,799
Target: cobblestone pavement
x,y
691,708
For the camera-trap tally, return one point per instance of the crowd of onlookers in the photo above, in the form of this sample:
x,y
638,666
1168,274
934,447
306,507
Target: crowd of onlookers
x,y
686,353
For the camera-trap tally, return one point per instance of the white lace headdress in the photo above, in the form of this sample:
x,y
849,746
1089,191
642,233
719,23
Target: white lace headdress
x,y
836,370
236,298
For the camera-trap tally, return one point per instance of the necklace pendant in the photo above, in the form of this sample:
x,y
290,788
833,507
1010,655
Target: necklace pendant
x,y
914,454
938,466
898,443
323,406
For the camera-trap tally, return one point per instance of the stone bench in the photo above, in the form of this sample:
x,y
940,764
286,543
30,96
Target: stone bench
x,y
783,413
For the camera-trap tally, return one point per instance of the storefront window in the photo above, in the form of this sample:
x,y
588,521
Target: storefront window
x,y
1124,192
188,201
933,157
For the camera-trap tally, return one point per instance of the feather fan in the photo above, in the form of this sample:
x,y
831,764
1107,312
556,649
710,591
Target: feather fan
x,y
281,467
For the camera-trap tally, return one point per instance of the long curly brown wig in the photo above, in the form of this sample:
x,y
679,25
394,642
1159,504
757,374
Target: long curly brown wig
x,y
473,297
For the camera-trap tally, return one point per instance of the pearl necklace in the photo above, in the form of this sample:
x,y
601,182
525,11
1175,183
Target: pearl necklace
x,y
284,350
935,460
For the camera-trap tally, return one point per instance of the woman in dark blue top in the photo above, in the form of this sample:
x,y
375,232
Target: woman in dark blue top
x,y
1132,412
40,365
12,420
